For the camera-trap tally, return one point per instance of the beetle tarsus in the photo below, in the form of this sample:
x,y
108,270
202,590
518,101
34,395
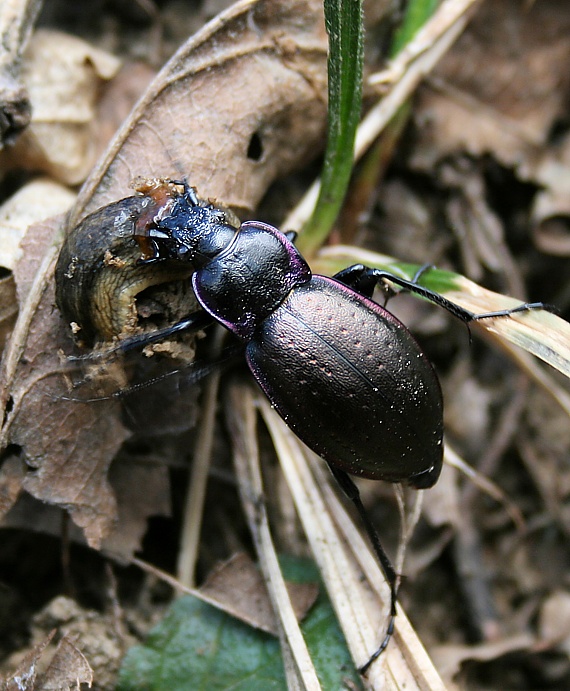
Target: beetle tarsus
x,y
376,654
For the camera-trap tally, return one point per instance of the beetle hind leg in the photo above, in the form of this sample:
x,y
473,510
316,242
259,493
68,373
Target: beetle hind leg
x,y
351,491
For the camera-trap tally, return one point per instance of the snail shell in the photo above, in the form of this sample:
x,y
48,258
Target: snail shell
x,y
99,273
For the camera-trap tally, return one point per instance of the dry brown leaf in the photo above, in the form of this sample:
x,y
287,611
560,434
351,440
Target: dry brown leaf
x,y
142,490
449,658
253,81
63,75
502,86
68,446
119,98
68,669
237,586
24,677
89,644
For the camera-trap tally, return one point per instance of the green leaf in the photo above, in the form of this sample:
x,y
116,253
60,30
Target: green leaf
x,y
197,646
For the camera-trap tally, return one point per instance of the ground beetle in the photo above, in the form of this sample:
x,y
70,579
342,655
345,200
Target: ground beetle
x,y
345,375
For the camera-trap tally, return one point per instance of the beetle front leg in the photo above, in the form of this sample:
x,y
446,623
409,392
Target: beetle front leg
x,y
194,322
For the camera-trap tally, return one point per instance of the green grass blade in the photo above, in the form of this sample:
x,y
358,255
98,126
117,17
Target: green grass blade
x,y
344,24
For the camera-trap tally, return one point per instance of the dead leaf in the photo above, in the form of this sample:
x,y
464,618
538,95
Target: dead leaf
x,y
36,201
501,90
68,447
63,75
449,658
142,491
68,669
88,645
24,678
502,86
119,98
238,588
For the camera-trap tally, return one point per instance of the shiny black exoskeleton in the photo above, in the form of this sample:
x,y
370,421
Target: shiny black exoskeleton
x,y
345,375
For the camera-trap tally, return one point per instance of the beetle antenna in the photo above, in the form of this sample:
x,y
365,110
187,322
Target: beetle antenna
x,y
192,373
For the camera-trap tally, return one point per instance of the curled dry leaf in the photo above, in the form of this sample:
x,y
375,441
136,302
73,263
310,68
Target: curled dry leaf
x,y
242,103
237,587
63,75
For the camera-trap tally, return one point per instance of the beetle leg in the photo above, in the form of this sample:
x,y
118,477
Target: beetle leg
x,y
358,278
351,491
361,275
194,322
453,308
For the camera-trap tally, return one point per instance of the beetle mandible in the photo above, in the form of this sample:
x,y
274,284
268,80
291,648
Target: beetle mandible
x,y
345,375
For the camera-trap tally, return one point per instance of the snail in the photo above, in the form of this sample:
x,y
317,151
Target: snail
x,y
103,265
